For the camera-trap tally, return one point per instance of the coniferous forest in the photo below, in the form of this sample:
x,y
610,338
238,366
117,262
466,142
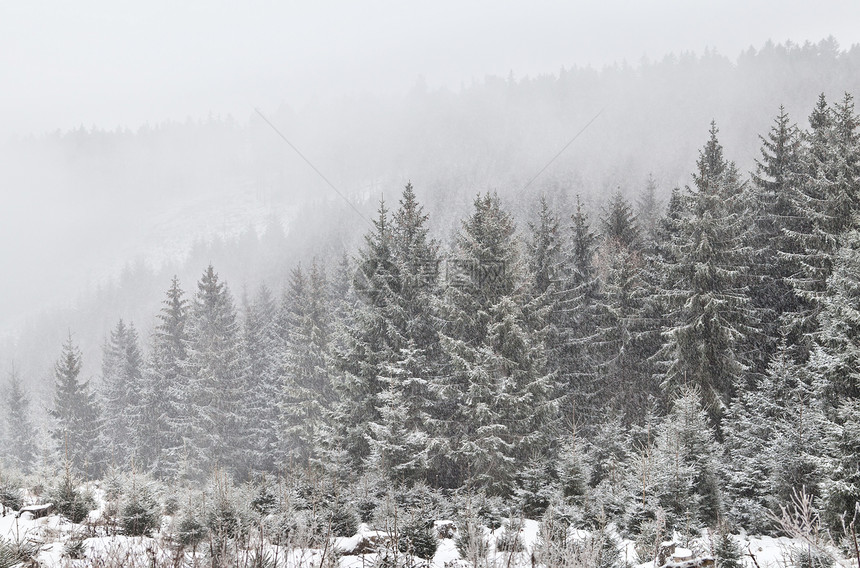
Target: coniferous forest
x,y
681,360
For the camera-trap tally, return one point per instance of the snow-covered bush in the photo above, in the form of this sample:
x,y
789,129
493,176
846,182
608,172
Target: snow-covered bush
x,y
139,511
471,541
417,538
727,552
341,519
807,557
72,503
14,553
509,540
190,532
10,496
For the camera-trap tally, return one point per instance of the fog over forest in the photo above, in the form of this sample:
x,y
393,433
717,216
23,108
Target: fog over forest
x,y
99,199
309,268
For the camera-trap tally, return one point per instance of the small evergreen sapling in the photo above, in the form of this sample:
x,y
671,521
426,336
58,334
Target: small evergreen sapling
x,y
139,512
418,539
727,551
70,502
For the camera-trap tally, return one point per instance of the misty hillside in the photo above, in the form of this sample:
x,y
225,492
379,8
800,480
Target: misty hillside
x,y
105,198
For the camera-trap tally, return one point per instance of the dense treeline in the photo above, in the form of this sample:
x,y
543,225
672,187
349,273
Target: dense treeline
x,y
676,365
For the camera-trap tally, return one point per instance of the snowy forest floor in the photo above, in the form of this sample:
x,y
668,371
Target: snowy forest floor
x,y
97,541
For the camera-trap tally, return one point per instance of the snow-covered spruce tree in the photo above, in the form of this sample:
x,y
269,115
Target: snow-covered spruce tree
x,y
826,206
712,321
773,193
400,440
835,359
549,278
619,223
122,396
19,434
537,481
497,377
306,392
371,341
843,167
575,309
612,481
76,414
625,337
167,391
649,211
798,458
837,344
751,427
263,351
544,248
685,472
407,432
332,451
216,380
841,485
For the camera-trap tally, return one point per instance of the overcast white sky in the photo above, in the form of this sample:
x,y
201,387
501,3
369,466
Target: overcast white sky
x,y
110,63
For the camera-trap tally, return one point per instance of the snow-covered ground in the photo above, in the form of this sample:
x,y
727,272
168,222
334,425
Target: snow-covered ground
x,y
52,534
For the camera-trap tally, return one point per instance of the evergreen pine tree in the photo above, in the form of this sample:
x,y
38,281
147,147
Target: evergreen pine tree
x,y
622,345
544,248
400,443
685,472
263,351
751,426
19,439
167,393
75,413
371,341
619,224
648,213
773,195
824,208
405,442
307,396
122,393
712,321
218,402
576,315
497,373
838,340
834,360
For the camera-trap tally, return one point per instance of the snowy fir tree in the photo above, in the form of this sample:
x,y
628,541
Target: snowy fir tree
x,y
409,402
774,191
263,349
712,321
544,248
306,396
167,393
371,342
649,212
624,337
497,375
400,439
685,472
826,206
576,311
218,425
837,344
76,414
19,433
122,395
